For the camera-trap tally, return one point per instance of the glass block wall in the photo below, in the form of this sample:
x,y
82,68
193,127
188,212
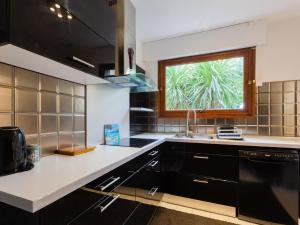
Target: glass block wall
x,y
277,114
50,110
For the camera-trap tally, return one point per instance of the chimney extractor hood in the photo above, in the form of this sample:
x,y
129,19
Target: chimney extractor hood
x,y
123,73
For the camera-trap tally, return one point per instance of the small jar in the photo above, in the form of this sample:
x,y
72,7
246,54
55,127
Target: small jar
x,y
33,153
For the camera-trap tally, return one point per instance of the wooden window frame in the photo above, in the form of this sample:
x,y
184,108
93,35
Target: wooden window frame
x,y
249,84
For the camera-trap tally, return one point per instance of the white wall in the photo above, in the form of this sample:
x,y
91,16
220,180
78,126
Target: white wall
x,y
278,47
106,105
279,58
140,54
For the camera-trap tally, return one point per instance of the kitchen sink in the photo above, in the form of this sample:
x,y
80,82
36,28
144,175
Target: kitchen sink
x,y
203,137
196,136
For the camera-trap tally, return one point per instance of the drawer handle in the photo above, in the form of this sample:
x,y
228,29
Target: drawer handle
x,y
113,180
200,181
83,62
153,191
153,153
200,157
153,163
104,207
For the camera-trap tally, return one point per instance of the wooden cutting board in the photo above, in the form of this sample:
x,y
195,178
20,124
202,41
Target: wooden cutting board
x,y
75,150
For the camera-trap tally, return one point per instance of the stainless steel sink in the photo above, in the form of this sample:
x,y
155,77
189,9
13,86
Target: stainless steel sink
x,y
195,136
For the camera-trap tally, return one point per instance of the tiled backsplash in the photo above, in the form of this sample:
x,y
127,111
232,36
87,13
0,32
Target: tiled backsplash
x,y
51,111
278,114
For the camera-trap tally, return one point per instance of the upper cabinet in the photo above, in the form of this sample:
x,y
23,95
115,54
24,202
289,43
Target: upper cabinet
x,y
77,33
99,15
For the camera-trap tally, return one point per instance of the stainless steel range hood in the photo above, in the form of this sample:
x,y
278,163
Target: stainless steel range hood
x,y
124,74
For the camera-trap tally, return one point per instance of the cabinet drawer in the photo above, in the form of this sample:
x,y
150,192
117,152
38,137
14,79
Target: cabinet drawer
x,y
214,149
64,210
110,181
202,188
217,166
113,210
149,185
142,160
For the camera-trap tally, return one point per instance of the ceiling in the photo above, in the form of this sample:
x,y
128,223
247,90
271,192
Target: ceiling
x,y
160,19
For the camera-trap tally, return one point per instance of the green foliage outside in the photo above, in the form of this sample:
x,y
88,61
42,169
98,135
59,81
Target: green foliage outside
x,y
205,85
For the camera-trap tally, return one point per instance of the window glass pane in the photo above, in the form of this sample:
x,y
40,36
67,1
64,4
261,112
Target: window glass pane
x,y
217,84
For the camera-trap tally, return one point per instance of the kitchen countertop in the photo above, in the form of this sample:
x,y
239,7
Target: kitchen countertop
x,y
259,141
56,176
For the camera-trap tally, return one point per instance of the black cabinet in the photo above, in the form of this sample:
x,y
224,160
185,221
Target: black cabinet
x,y
201,171
220,166
50,33
114,208
61,212
202,188
64,210
150,185
99,15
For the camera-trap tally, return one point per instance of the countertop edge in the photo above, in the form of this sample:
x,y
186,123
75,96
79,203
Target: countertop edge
x,y
36,205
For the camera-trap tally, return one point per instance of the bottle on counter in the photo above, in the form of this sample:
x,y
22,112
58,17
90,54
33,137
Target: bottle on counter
x,y
33,153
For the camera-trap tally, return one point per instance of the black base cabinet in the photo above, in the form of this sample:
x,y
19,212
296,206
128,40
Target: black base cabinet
x,y
202,188
57,213
202,172
67,208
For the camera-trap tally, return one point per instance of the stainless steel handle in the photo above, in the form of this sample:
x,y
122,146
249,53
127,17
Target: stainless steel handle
x,y
153,153
103,187
200,157
200,181
153,163
153,191
83,62
103,208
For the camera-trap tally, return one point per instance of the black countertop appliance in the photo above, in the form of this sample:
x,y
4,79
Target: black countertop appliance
x,y
13,154
269,186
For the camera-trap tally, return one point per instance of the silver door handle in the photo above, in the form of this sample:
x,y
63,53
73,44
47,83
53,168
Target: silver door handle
x,y
83,62
153,163
113,180
200,181
153,191
104,207
200,157
153,153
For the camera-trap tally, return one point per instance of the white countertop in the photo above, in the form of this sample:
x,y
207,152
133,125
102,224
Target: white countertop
x,y
56,176
259,141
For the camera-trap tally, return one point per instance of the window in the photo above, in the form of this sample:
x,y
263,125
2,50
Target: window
x,y
217,85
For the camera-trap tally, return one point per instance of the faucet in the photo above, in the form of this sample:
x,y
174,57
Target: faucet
x,y
188,132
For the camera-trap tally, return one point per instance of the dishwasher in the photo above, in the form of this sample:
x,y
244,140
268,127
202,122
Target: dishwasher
x,y
268,186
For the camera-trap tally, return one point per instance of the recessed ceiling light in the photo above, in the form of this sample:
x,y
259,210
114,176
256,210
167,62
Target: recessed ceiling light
x,y
59,15
57,6
69,16
52,9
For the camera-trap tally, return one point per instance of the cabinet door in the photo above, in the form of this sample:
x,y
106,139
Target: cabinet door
x,y
4,22
111,180
100,15
64,210
149,184
217,166
68,41
113,209
202,188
